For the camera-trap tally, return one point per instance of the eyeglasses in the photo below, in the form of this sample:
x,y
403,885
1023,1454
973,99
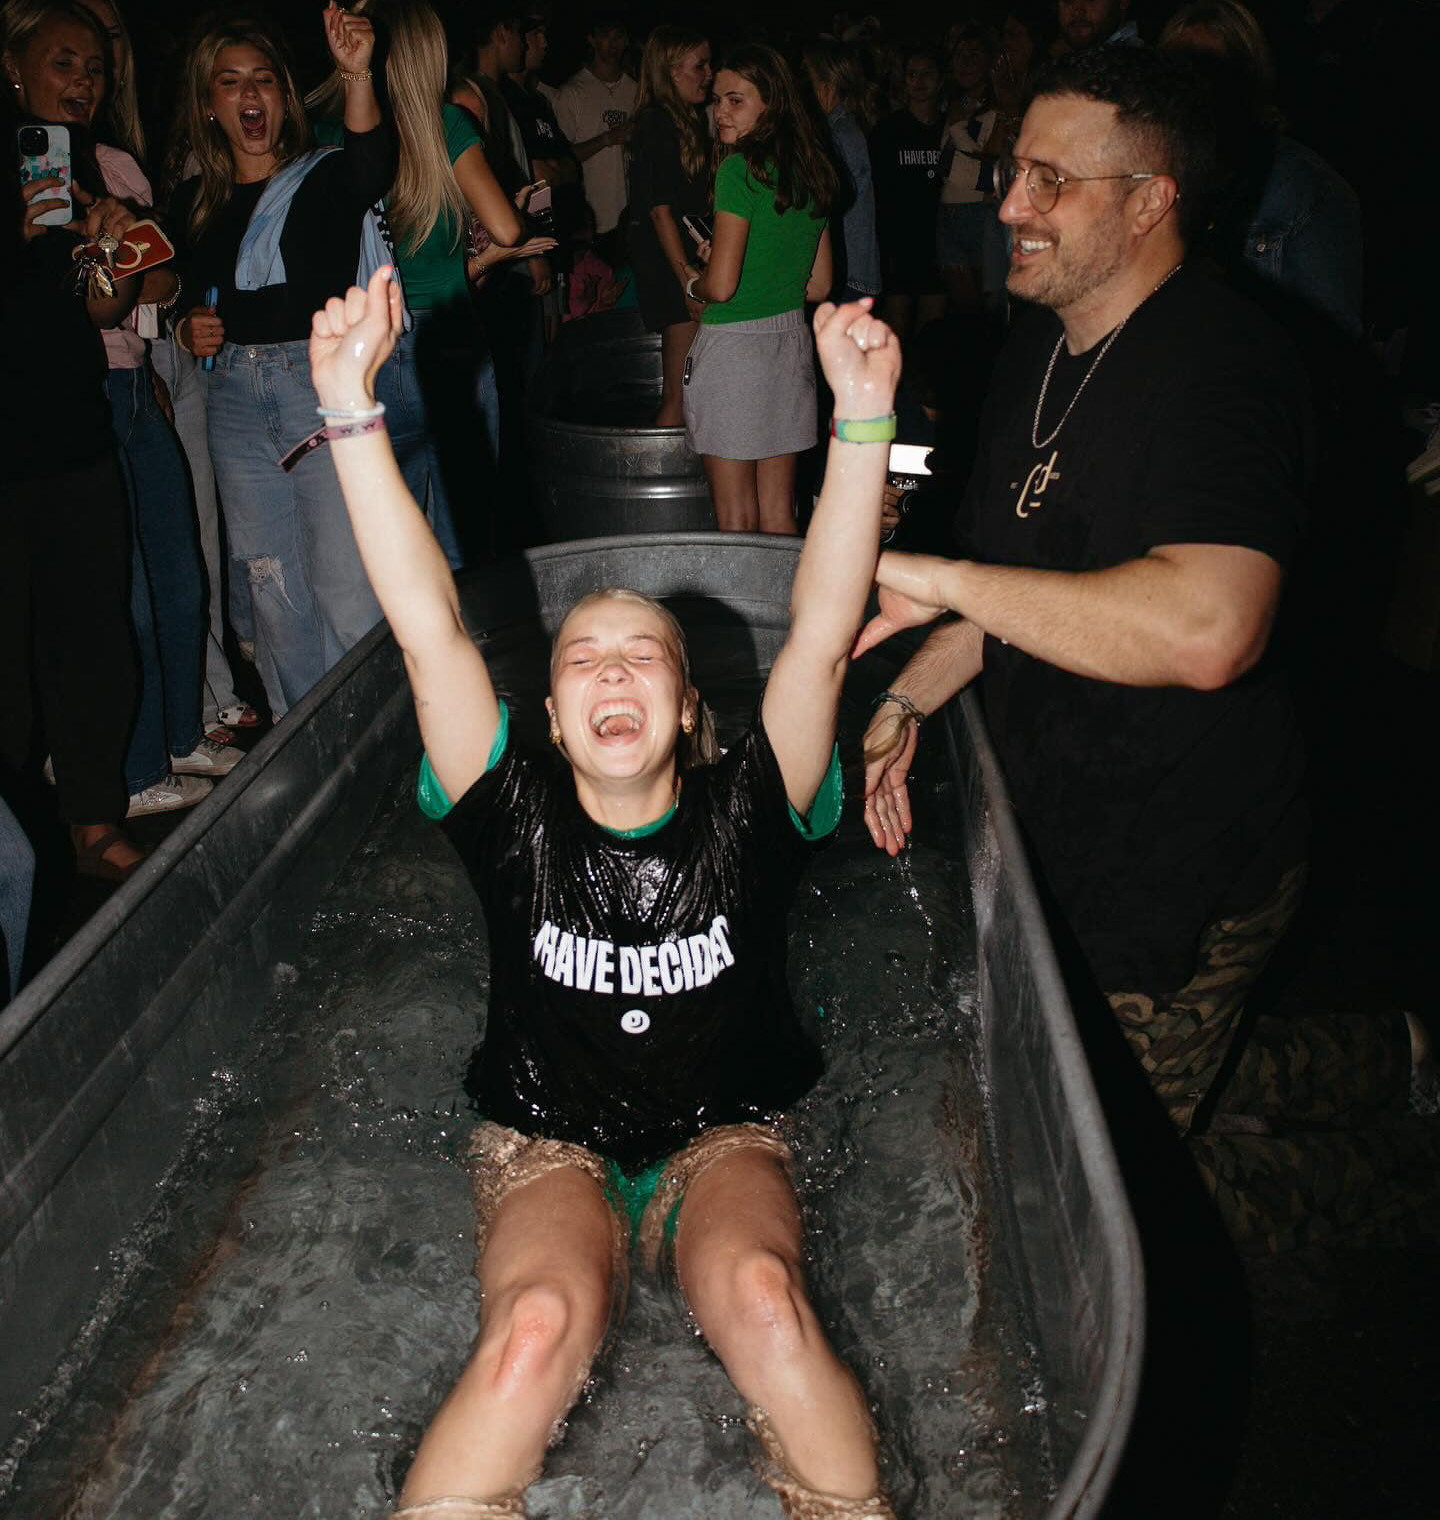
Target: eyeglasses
x,y
1042,183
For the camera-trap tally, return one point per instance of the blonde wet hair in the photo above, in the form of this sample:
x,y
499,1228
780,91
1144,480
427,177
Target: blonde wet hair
x,y
700,747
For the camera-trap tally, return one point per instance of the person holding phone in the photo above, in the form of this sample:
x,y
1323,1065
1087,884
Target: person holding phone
x,y
669,182
276,227
64,537
749,386
608,1111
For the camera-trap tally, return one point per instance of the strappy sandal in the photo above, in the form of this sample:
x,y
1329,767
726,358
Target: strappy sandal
x,y
91,861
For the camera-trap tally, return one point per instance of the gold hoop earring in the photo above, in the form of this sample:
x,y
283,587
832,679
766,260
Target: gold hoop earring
x,y
554,729
687,724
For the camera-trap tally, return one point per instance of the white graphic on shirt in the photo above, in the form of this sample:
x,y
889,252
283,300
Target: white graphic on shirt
x,y
637,1021
599,965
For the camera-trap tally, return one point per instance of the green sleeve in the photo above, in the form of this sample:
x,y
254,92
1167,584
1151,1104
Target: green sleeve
x,y
734,190
431,795
461,131
824,812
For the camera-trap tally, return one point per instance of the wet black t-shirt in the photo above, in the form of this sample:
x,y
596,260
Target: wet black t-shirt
x,y
1152,811
637,986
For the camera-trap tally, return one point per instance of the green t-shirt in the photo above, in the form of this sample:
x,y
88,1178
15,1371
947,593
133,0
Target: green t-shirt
x,y
779,253
435,272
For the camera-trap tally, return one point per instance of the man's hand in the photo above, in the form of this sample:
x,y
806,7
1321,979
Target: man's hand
x,y
897,611
889,749
860,357
351,337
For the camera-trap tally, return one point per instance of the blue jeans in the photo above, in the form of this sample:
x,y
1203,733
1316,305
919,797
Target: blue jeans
x,y
187,385
442,412
17,876
290,532
167,585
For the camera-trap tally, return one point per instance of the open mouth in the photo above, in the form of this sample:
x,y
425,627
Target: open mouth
x,y
616,720
252,124
77,107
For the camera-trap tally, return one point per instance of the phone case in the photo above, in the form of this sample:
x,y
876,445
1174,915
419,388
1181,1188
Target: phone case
x,y
55,160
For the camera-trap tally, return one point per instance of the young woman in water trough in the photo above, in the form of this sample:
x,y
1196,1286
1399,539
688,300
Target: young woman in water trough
x,y
640,1038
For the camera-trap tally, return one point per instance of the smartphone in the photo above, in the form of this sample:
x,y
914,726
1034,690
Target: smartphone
x,y
45,150
699,229
541,209
908,462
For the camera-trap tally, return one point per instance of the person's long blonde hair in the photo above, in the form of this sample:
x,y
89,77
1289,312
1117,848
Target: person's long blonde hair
x,y
411,39
664,48
197,126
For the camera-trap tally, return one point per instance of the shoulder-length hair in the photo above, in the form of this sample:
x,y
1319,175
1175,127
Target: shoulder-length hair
x,y
841,65
664,48
410,38
208,144
782,150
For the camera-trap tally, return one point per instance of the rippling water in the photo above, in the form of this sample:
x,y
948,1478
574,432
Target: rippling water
x,y
303,1296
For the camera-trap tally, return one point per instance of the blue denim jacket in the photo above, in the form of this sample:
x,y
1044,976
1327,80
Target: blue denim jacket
x,y
1304,235
857,224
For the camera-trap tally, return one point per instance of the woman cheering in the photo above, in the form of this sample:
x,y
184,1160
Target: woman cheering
x,y
275,226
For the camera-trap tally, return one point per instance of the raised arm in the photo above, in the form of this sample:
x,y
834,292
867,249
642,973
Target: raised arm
x,y
454,700
861,360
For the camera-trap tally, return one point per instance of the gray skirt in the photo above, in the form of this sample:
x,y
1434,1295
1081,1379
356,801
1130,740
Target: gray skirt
x,y
750,388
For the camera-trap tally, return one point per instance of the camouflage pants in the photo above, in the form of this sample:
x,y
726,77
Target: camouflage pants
x,y
1299,1126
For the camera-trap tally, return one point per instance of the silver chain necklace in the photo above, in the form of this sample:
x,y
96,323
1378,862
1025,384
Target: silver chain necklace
x,y
1044,443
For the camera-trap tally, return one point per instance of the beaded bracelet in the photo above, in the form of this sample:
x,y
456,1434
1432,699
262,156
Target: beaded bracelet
x,y
359,76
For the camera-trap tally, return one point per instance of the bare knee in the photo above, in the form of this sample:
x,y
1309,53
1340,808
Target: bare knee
x,y
755,1299
539,1330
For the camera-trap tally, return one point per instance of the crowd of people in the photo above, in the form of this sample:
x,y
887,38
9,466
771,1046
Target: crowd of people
x,y
1127,287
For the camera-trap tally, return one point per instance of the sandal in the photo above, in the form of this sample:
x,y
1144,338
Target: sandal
x,y
91,860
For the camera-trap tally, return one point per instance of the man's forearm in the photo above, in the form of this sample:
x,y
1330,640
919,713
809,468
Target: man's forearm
x,y
1191,615
591,146
945,663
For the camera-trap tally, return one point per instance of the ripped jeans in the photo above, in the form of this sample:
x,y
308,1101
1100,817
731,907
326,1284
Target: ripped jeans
x,y
289,532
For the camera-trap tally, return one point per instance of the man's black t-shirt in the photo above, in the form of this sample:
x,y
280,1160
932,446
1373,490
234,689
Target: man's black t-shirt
x,y
1151,810
637,985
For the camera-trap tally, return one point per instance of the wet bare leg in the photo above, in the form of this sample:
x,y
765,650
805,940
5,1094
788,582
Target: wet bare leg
x,y
675,342
546,1278
775,486
738,1250
734,493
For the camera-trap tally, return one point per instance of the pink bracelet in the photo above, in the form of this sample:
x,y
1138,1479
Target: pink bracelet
x,y
335,431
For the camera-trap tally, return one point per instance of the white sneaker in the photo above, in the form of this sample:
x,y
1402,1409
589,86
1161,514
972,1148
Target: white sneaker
x,y
208,758
168,795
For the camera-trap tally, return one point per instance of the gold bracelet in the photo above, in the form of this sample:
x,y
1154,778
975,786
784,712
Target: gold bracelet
x,y
363,76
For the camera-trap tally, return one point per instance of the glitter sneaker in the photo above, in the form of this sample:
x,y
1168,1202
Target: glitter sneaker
x,y
168,795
